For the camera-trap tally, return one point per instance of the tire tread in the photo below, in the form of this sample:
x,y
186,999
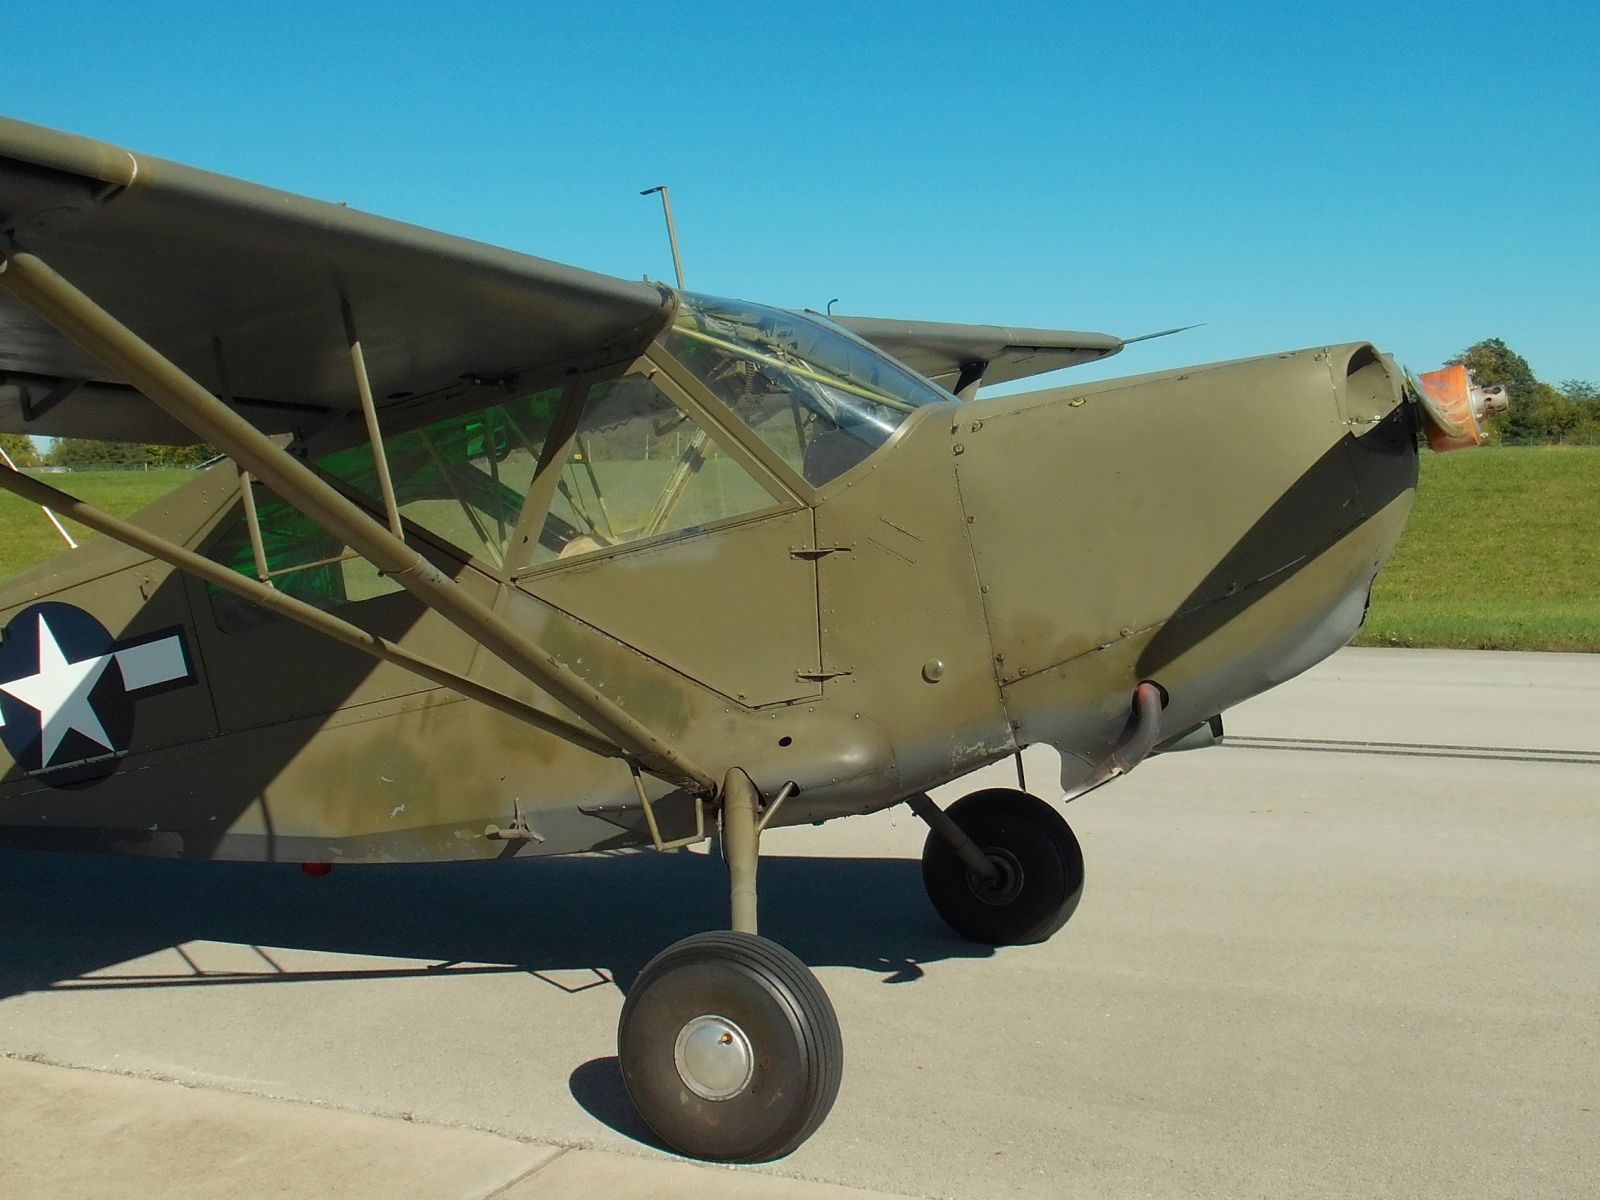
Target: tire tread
x,y
818,1021
1042,825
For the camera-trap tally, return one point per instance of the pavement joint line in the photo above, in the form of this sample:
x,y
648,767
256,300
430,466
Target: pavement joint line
x,y
1508,754
561,1152
562,1146
1373,742
386,1114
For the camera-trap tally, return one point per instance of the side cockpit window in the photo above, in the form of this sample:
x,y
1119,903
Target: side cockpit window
x,y
625,465
818,396
637,467
299,557
463,478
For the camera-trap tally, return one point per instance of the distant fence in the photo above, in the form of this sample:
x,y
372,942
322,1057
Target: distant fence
x,y
98,468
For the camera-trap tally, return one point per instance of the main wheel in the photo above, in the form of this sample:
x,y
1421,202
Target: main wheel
x,y
1040,869
729,1048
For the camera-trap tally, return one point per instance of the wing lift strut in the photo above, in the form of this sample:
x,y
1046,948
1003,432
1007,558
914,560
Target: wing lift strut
x,y
613,732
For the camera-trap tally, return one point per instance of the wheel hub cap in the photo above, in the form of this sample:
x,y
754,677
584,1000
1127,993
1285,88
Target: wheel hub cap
x,y
714,1058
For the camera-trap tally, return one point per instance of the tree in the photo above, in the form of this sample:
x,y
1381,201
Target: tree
x,y
21,449
1580,391
1551,416
1491,361
1539,412
1585,400
179,456
83,453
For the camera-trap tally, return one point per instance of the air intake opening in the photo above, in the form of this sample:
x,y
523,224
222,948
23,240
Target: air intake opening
x,y
1370,388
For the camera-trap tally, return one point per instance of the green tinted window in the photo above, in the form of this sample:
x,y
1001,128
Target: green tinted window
x,y
302,559
462,478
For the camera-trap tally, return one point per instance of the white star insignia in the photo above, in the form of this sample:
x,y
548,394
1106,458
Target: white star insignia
x,y
60,692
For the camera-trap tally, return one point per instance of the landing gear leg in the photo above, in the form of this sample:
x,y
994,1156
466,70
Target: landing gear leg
x,y
728,1045
741,843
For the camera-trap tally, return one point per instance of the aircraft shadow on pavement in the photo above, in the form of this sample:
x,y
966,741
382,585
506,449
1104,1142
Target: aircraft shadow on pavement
x,y
576,922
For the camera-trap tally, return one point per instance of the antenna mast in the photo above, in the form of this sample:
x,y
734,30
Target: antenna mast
x,y
672,233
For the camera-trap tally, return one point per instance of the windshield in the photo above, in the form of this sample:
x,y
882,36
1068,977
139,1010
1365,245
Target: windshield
x,y
820,397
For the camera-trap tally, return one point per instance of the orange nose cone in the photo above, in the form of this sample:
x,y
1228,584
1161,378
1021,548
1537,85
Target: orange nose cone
x,y
1451,422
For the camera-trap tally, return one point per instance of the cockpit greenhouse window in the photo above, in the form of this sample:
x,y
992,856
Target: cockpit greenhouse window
x,y
822,398
463,478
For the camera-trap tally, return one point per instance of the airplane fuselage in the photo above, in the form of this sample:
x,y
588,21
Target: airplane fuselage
x,y
1000,573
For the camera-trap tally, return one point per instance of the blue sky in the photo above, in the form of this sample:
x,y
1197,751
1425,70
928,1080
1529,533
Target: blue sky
x,y
1423,175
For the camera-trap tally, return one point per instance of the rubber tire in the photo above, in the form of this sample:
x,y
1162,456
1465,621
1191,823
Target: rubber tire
x,y
780,1005
1042,846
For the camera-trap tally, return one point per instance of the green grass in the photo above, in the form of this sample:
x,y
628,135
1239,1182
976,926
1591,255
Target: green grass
x,y
27,539
1502,553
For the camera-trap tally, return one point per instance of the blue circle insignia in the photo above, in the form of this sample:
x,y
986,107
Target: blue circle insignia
x,y
67,690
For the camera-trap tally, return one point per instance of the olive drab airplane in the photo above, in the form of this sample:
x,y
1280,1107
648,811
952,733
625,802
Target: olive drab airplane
x,y
505,559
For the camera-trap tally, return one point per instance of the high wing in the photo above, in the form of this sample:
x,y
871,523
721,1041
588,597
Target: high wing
x,y
958,356
246,289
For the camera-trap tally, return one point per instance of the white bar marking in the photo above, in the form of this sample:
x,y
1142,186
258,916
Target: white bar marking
x,y
152,663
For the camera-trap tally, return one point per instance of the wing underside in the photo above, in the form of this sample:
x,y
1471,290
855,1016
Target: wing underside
x,y
956,356
247,290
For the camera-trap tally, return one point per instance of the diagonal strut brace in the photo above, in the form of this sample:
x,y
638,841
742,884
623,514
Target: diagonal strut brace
x,y
38,492
37,285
